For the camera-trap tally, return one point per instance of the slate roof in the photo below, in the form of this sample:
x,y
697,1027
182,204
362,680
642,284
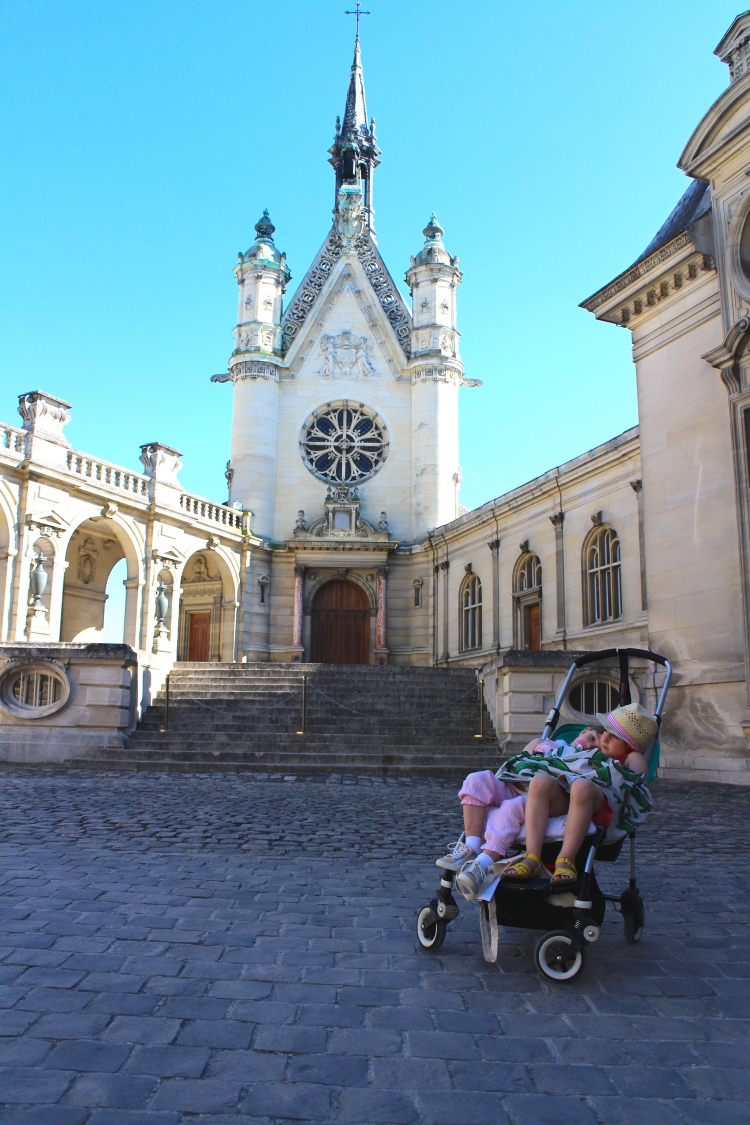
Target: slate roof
x,y
695,203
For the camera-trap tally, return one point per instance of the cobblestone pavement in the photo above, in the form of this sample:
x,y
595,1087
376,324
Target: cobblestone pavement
x,y
223,948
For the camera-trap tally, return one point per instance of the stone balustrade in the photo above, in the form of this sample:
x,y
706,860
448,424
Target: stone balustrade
x,y
104,473
12,441
213,513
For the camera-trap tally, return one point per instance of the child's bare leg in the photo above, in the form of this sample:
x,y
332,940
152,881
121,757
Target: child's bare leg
x,y
546,799
474,817
586,799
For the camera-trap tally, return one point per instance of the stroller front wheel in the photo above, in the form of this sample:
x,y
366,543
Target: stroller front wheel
x,y
632,924
430,929
556,957
633,916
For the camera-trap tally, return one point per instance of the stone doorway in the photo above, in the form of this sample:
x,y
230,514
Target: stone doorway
x,y
198,637
341,624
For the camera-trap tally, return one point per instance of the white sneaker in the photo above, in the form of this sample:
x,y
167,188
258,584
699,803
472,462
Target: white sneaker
x,y
458,855
472,878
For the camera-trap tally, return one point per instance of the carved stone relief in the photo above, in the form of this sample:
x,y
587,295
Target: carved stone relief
x,y
346,355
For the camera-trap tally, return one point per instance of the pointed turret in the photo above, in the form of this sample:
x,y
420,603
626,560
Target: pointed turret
x,y
354,152
355,114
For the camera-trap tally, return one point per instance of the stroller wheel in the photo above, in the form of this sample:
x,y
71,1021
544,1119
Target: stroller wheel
x,y
430,929
633,922
556,957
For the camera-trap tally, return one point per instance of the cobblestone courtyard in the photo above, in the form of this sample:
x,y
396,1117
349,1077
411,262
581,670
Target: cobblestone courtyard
x,y
215,948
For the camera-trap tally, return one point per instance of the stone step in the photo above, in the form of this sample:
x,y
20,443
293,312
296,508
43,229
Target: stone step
x,y
239,716
302,746
458,769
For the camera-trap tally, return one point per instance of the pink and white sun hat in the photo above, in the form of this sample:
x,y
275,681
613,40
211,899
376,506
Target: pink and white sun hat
x,y
633,724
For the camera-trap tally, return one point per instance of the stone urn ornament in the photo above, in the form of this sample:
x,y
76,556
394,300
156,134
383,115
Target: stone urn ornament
x,y
161,605
39,579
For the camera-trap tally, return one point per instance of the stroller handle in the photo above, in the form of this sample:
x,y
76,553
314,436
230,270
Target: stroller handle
x,y
623,656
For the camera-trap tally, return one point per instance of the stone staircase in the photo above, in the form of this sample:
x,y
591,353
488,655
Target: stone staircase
x,y
369,720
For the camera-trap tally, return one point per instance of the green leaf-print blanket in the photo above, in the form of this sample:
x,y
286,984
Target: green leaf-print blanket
x,y
625,791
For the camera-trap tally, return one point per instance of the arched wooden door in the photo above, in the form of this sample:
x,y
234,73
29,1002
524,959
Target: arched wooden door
x,y
341,624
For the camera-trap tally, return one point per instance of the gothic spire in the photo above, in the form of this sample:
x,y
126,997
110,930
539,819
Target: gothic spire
x,y
355,114
354,152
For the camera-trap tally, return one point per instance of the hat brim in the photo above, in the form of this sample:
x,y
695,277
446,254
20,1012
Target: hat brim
x,y
604,720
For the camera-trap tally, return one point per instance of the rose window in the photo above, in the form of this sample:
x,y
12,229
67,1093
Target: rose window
x,y
344,442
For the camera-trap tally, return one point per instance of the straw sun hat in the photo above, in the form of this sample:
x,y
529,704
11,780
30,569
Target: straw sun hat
x,y
633,724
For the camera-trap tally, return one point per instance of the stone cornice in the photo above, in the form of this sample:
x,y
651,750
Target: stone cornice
x,y
590,463
640,269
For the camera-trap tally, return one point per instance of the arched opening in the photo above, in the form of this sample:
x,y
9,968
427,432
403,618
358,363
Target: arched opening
x,y
6,571
206,628
113,630
527,602
94,551
340,624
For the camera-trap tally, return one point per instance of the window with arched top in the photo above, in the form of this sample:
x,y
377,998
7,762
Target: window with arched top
x,y
471,613
527,602
528,574
602,578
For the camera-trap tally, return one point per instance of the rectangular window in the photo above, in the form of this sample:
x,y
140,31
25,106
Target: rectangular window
x,y
417,597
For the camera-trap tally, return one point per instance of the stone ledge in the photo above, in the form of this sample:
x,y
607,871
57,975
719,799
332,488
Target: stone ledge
x,y
66,650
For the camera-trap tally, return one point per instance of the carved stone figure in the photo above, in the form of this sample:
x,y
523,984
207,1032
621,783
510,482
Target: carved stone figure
x,y
87,553
200,570
301,524
383,522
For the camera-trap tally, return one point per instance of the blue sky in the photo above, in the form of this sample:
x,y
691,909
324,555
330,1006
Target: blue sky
x,y
141,142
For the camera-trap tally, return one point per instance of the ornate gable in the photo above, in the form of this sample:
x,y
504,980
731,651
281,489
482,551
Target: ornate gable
x,y
346,354
319,273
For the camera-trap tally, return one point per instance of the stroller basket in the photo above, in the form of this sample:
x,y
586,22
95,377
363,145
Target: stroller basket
x,y
571,915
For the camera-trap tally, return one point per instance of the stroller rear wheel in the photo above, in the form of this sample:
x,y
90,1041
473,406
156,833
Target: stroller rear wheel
x,y
430,929
633,922
556,957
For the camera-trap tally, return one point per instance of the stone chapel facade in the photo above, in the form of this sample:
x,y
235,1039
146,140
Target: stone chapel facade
x,y
342,540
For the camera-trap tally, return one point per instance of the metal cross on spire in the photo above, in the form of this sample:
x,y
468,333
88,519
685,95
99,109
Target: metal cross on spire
x,y
358,12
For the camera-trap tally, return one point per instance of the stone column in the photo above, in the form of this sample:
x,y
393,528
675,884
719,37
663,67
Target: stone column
x,y
557,522
381,651
298,649
445,566
435,613
494,546
637,486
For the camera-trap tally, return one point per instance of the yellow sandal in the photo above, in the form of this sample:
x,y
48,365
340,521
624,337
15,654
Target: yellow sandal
x,y
522,868
565,872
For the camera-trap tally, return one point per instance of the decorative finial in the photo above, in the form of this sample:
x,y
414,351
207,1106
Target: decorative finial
x,y
265,227
433,232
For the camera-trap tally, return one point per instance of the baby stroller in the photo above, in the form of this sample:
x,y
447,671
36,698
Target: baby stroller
x,y
571,918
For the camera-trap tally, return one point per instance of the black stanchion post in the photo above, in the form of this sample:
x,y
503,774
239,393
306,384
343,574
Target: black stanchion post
x,y
304,703
165,728
480,686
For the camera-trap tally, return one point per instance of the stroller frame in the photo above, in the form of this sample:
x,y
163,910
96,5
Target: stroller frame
x,y
571,917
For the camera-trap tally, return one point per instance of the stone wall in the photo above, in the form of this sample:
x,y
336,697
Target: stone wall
x,y
96,706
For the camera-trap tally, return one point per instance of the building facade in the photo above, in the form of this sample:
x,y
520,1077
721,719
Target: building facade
x,y
343,540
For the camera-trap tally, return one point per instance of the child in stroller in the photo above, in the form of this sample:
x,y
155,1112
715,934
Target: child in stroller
x,y
587,782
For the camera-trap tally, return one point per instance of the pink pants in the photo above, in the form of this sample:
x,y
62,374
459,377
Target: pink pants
x,y
506,811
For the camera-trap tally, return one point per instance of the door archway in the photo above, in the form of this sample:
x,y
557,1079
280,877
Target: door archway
x,y
340,624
